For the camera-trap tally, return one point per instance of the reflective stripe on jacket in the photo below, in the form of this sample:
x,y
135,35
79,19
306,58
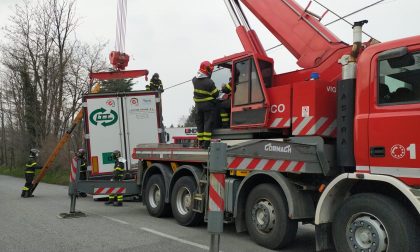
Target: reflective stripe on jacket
x,y
204,89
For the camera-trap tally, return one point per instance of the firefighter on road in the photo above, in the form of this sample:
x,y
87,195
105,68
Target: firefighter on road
x,y
80,154
31,166
155,84
117,199
205,93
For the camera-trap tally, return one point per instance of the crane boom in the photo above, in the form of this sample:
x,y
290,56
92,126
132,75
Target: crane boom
x,y
297,29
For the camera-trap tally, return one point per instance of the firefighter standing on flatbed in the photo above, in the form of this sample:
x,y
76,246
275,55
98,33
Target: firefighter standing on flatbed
x,y
31,166
205,93
117,199
155,84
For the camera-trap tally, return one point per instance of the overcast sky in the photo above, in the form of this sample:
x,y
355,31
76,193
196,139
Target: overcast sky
x,y
173,37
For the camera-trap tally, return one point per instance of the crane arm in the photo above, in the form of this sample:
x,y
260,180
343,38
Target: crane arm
x,y
297,29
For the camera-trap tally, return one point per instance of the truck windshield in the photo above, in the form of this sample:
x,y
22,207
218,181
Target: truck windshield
x,y
399,83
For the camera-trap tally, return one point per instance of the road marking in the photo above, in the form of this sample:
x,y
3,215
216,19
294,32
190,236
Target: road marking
x,y
175,238
160,234
116,220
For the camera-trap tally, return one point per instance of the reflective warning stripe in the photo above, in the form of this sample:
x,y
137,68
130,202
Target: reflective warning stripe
x,y
314,126
282,122
401,172
240,163
109,190
216,192
73,170
29,172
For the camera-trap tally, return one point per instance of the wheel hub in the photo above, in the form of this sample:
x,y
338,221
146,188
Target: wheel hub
x,y
366,233
154,196
263,216
183,200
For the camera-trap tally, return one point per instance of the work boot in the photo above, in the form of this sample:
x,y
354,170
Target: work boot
x,y
118,203
22,194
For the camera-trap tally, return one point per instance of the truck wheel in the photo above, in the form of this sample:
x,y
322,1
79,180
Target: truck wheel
x,y
373,222
155,197
266,216
182,200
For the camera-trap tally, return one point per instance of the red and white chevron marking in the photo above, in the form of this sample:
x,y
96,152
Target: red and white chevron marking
x,y
281,122
109,190
73,170
217,192
240,163
322,126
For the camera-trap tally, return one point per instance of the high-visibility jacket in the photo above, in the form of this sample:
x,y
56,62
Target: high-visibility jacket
x,y
31,166
204,90
227,89
119,170
155,85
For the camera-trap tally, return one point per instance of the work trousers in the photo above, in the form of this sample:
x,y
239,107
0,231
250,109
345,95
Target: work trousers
x,y
116,199
205,120
26,190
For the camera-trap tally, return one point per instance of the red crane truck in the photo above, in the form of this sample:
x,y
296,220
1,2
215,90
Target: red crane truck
x,y
334,144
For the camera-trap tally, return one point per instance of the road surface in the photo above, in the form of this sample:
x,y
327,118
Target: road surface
x,y
32,224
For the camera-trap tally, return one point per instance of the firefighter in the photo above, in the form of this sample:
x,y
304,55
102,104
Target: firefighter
x,y
224,105
205,93
117,199
31,166
80,154
155,84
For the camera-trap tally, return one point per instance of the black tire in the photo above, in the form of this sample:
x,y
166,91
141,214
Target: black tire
x,y
279,232
371,221
181,202
155,197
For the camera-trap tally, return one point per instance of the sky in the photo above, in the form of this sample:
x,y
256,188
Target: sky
x,y
173,37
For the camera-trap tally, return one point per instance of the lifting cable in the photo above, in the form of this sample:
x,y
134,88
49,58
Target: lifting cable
x,y
332,22
339,18
121,26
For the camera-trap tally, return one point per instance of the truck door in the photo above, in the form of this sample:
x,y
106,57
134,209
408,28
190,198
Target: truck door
x,y
394,121
250,100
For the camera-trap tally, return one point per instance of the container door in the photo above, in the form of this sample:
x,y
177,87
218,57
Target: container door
x,y
141,122
394,121
105,131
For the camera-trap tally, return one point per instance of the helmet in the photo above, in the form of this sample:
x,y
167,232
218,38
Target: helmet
x,y
33,153
116,154
80,152
155,76
206,67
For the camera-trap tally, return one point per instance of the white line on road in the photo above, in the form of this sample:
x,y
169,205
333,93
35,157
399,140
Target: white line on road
x,y
160,234
175,238
116,220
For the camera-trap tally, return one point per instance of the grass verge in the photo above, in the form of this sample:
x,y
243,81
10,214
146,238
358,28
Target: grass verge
x,y
53,176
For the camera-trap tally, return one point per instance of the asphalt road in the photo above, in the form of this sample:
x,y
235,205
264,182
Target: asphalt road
x,y
32,224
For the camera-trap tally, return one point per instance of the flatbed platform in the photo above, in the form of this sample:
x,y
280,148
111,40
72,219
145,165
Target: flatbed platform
x,y
170,152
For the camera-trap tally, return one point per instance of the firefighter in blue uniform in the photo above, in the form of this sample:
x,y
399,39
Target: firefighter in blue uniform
x,y
31,166
117,199
205,93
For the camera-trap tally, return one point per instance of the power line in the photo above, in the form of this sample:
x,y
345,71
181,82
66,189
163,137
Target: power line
x,y
330,23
